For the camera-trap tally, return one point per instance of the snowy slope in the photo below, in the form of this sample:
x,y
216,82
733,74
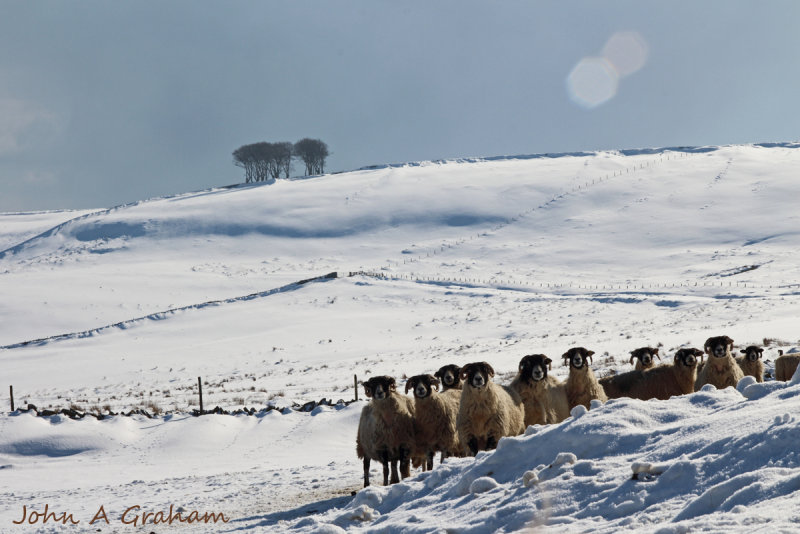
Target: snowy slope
x,y
486,259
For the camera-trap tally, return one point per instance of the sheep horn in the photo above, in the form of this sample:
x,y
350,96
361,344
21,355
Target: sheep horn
x,y
409,384
464,372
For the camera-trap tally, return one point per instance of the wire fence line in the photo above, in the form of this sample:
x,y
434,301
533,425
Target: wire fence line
x,y
527,285
193,398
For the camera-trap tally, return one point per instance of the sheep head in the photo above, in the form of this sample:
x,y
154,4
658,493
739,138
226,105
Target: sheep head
x,y
645,356
719,346
577,358
688,357
533,367
477,375
450,375
752,353
379,387
422,385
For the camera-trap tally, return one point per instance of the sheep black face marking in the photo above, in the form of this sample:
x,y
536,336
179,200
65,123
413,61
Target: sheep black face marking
x,y
577,357
752,353
449,375
646,355
380,386
718,346
533,368
688,357
477,375
422,385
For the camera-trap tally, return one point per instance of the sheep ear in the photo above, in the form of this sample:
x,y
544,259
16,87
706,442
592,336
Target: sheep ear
x,y
590,357
655,351
409,384
632,358
675,360
490,368
729,340
392,384
566,359
656,354
435,383
549,363
367,390
438,374
743,351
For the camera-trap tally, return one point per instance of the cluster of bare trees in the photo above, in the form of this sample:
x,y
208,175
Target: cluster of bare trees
x,y
268,161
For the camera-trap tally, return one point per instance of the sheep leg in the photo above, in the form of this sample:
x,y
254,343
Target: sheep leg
x,y
429,461
491,443
385,462
395,476
473,445
442,457
366,471
405,462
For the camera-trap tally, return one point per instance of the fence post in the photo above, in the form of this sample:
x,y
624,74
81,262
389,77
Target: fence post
x,y
200,390
11,393
355,385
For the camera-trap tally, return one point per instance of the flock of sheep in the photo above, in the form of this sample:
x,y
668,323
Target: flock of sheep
x,y
471,412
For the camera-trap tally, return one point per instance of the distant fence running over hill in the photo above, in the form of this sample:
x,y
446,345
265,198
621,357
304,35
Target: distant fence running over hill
x,y
528,285
161,315
663,155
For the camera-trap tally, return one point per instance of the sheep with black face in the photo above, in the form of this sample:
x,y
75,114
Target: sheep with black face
x,y
751,363
645,358
543,395
487,411
434,418
721,369
450,376
661,382
386,429
582,385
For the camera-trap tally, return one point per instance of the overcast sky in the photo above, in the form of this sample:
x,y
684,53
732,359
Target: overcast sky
x,y
103,103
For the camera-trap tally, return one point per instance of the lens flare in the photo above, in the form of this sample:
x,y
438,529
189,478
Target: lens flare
x,y
595,80
627,52
592,82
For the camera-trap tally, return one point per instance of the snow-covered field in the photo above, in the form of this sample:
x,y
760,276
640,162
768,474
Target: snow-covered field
x,y
451,262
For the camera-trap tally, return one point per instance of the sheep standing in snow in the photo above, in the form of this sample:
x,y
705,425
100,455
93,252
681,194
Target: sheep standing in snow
x,y
751,363
450,376
582,385
434,418
721,369
488,411
543,395
386,429
645,358
786,365
661,382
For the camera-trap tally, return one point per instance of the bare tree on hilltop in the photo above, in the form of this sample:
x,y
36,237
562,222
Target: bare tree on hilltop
x,y
268,161
264,161
313,152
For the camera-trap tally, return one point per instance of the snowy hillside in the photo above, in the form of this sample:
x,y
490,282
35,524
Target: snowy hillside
x,y
438,262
